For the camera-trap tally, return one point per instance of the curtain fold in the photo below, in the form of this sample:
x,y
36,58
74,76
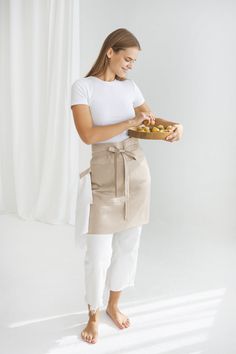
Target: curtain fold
x,y
39,171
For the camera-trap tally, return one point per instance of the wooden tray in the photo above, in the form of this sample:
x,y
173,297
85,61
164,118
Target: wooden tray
x,y
152,135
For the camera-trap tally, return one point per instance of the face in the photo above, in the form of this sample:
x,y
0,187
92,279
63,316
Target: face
x,y
122,61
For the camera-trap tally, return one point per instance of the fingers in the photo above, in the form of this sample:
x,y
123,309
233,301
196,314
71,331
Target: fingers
x,y
145,114
145,118
152,118
171,138
148,114
149,120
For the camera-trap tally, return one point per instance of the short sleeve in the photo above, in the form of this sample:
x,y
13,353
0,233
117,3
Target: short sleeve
x,y
138,96
79,93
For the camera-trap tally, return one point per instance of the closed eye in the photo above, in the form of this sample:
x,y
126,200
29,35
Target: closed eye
x,y
129,60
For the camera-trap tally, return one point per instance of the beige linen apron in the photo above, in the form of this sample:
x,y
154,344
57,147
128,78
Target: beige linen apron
x,y
121,187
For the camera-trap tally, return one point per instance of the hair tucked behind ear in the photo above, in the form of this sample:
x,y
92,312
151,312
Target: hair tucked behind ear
x,y
119,39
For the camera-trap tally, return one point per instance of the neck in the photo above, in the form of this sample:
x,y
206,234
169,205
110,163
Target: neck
x,y
107,76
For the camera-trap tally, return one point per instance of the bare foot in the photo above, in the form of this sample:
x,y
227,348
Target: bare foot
x,y
121,320
90,332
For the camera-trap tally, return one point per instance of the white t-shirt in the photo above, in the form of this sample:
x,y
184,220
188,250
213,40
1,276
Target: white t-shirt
x,y
110,102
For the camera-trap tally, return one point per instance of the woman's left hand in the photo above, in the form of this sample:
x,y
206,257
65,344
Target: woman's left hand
x,y
176,134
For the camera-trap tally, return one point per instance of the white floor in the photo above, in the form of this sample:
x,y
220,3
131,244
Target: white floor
x,y
183,301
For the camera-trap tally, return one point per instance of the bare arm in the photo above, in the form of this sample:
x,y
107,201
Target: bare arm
x,y
144,108
91,134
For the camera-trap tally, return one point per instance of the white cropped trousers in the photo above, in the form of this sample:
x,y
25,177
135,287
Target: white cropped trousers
x,y
110,263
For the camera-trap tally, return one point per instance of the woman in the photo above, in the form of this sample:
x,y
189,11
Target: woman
x,y
105,105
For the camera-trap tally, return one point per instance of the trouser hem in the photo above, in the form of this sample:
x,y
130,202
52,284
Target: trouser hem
x,y
122,288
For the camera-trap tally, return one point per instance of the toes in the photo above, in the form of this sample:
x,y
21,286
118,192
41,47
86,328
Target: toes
x,y
126,323
120,325
88,338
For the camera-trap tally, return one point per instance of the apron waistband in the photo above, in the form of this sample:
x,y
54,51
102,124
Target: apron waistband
x,y
127,143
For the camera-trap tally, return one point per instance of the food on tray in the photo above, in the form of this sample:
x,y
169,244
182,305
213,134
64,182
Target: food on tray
x,y
154,129
169,128
143,128
146,129
140,128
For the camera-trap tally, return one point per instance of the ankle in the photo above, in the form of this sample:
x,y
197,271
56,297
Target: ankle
x,y
112,306
93,315
93,318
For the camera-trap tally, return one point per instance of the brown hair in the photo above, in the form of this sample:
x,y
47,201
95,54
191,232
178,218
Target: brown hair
x,y
119,39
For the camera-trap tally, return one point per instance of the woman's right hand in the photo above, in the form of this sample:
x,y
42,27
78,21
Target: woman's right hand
x,y
141,116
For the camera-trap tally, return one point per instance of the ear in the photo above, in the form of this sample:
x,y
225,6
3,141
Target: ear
x,y
109,53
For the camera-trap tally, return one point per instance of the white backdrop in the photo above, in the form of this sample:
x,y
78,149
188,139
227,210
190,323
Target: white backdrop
x,y
184,295
39,144
186,71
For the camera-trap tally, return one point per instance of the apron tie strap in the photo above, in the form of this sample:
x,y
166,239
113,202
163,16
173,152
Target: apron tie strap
x,y
124,153
85,172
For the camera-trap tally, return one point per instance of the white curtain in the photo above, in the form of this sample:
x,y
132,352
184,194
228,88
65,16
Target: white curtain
x,y
39,155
